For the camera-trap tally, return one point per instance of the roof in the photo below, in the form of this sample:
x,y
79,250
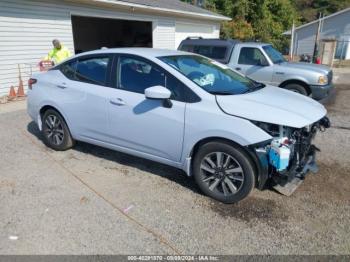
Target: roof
x,y
141,51
316,21
167,6
209,41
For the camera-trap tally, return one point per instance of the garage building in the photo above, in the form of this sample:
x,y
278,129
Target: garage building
x,y
27,28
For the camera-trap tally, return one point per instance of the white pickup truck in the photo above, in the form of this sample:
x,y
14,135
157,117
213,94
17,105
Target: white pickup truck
x,y
264,64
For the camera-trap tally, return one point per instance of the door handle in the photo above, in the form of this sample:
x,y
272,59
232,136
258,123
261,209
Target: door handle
x,y
63,85
117,102
238,68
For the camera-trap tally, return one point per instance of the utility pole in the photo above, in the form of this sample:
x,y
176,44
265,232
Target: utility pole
x,y
314,57
291,49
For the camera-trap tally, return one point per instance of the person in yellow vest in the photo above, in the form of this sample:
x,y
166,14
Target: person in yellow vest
x,y
58,53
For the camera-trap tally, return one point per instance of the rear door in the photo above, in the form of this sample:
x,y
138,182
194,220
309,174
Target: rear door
x,y
141,124
83,91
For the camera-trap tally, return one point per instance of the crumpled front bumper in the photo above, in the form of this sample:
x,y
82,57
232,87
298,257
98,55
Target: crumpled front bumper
x,y
288,183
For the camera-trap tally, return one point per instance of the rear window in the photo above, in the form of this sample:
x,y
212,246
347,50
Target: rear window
x,y
214,52
92,70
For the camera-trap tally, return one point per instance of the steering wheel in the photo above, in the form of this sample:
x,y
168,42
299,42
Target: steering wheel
x,y
195,75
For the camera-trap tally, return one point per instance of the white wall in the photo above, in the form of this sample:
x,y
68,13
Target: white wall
x,y
185,28
27,28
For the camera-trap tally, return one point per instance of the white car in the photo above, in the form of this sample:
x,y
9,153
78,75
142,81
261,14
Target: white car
x,y
184,110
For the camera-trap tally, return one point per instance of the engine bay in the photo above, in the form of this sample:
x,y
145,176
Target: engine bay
x,y
290,154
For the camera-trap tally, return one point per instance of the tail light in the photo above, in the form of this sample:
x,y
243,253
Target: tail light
x,y
31,82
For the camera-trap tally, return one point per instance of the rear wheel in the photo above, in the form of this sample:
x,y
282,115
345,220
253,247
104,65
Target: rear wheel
x,y
55,131
296,88
223,172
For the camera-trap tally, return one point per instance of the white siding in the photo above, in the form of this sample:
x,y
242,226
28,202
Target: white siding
x,y
27,28
26,31
164,34
185,28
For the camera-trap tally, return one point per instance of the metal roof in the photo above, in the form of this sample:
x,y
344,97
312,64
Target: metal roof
x,y
316,21
169,6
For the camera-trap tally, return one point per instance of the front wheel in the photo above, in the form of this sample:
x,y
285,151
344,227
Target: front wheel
x,y
223,172
296,88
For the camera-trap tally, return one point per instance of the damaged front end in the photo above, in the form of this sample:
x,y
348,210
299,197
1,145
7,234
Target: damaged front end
x,y
289,156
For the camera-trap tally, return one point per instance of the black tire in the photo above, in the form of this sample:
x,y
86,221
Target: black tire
x,y
239,161
58,136
296,88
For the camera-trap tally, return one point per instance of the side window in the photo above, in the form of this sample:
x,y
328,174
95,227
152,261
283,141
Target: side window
x,y
214,52
202,50
68,69
92,70
187,48
218,52
136,75
250,56
176,87
179,91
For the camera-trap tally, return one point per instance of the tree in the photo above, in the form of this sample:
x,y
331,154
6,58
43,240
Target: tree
x,y
263,20
309,9
238,28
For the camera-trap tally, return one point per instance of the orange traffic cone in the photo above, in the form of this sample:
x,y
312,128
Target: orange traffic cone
x,y
20,90
12,94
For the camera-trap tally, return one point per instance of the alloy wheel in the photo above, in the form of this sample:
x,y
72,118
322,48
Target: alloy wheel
x,y
54,130
222,173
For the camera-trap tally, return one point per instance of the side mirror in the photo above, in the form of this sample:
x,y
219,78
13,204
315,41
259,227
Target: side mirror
x,y
160,93
157,92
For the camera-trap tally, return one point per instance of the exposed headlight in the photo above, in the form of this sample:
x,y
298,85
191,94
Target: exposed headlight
x,y
323,80
271,129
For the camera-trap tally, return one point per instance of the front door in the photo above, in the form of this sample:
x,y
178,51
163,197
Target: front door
x,y
142,124
253,63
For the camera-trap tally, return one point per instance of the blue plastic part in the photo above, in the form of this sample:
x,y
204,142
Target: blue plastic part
x,y
276,161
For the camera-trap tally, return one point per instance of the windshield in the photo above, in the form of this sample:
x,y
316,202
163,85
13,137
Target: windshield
x,y
212,76
275,56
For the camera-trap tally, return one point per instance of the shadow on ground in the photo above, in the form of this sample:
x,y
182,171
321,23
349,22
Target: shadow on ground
x,y
248,210
168,172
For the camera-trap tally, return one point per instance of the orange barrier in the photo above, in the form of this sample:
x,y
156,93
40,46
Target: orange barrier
x,y
45,65
20,90
12,94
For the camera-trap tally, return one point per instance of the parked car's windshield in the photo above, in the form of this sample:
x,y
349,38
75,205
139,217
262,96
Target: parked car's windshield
x,y
210,75
275,56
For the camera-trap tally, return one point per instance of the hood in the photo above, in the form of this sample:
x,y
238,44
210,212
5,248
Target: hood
x,y
322,69
273,105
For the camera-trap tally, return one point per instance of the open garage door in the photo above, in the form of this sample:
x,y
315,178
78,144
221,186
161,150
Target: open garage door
x,y
91,33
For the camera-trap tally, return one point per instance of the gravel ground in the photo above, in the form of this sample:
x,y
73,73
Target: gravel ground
x,y
91,200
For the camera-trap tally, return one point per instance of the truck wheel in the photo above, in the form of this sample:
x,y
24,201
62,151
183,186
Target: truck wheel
x,y
296,88
55,131
223,172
